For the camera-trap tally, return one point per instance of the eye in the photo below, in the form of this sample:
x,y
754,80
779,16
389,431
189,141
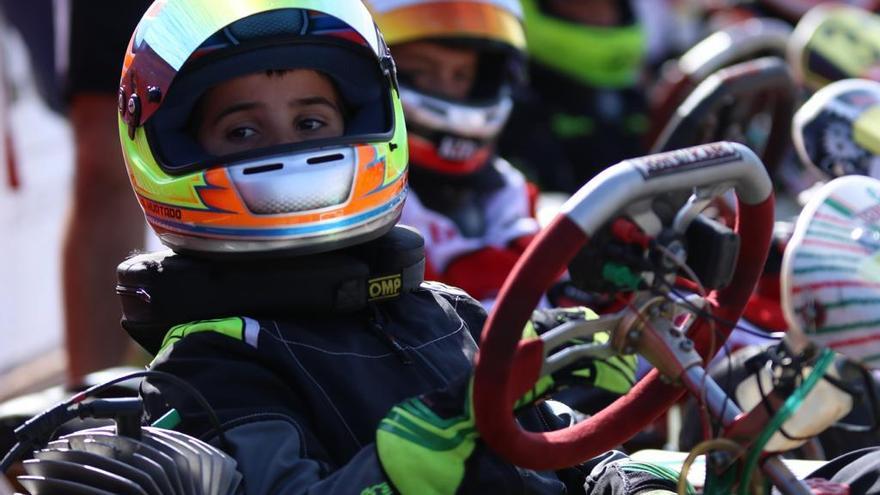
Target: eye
x,y
241,133
309,124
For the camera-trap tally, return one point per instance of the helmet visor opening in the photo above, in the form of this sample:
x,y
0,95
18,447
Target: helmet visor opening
x,y
498,67
360,94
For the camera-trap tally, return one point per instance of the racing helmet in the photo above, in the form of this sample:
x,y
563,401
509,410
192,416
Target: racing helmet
x,y
793,10
456,137
831,269
835,41
789,10
292,198
597,56
837,131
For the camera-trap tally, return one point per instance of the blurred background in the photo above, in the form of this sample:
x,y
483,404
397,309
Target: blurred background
x,y
32,221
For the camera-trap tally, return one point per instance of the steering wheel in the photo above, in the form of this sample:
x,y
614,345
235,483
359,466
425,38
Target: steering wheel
x,y
508,367
728,104
739,42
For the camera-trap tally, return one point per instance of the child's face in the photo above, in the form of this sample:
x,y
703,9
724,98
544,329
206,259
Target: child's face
x,y
587,12
438,69
267,109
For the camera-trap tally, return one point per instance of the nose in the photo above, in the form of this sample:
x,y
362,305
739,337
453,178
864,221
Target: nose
x,y
283,133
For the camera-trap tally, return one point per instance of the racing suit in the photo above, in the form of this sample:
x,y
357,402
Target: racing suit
x,y
300,397
562,133
475,227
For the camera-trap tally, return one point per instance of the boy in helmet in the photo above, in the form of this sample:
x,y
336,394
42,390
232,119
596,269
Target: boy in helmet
x,y
265,143
583,110
458,63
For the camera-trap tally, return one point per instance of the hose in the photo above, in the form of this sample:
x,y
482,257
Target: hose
x,y
791,405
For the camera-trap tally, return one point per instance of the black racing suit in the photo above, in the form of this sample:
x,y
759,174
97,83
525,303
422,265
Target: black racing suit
x,y
562,133
300,398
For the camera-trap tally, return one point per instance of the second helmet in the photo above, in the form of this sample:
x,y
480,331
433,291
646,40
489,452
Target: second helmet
x,y
456,136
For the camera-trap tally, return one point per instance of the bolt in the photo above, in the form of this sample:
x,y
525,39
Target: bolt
x,y
154,94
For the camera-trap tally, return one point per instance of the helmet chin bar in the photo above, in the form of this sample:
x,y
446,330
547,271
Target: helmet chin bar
x,y
507,367
289,245
475,120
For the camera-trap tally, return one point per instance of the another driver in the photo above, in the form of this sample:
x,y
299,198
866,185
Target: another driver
x,y
265,142
584,108
458,63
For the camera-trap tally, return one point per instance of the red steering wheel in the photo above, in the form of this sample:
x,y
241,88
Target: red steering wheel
x,y
507,366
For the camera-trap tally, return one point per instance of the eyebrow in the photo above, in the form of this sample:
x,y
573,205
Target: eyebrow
x,y
249,105
238,107
314,100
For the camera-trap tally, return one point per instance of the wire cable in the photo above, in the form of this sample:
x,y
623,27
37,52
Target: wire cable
x,y
700,449
794,401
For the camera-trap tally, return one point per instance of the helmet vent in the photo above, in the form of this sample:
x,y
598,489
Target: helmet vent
x,y
282,22
291,184
317,160
263,168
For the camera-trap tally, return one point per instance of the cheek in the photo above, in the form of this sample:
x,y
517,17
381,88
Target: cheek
x,y
210,142
336,127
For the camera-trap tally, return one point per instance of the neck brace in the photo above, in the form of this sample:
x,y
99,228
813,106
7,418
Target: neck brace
x,y
162,289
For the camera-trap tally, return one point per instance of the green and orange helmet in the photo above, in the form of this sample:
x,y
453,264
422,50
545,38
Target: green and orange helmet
x,y
311,196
